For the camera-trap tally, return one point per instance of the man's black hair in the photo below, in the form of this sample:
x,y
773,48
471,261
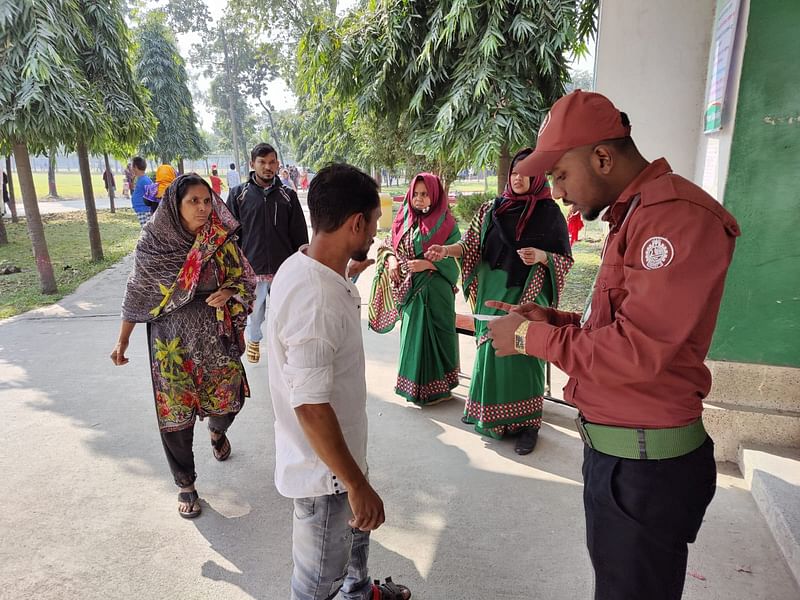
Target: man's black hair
x,y
337,192
262,149
233,166
139,163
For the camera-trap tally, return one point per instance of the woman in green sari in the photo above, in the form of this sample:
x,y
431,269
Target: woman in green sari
x,y
516,250
410,288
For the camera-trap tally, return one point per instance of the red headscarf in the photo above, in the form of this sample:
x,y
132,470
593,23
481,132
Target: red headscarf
x,y
538,190
435,226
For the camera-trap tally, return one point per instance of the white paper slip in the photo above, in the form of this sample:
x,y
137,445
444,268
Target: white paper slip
x,y
486,317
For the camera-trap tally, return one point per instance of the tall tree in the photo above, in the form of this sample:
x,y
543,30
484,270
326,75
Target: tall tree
x,y
106,64
472,80
161,69
44,96
52,190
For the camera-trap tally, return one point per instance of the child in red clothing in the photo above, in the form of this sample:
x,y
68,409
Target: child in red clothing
x,y
574,224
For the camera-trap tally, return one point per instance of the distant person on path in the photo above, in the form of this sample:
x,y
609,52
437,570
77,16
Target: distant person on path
x,y
108,180
574,224
127,185
233,176
410,288
6,197
192,287
319,394
165,175
635,358
304,180
140,207
273,228
286,180
216,181
515,250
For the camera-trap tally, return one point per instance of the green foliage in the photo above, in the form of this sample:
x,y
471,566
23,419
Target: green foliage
x,y
45,97
105,59
466,79
467,205
161,70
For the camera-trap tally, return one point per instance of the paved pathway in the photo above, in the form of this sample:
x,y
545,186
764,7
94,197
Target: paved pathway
x,y
88,509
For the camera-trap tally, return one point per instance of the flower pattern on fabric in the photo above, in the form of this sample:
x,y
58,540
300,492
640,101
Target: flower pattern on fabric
x,y
184,390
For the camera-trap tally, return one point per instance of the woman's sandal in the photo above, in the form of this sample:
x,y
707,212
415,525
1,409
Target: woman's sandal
x,y
389,590
221,447
193,500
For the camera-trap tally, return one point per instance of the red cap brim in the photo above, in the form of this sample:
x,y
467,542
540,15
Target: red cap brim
x,y
538,163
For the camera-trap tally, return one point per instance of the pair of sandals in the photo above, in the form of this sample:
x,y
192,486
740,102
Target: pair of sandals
x,y
222,450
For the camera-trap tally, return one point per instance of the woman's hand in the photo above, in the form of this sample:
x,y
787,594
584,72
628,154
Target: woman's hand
x,y
394,269
118,355
532,256
420,265
436,253
219,298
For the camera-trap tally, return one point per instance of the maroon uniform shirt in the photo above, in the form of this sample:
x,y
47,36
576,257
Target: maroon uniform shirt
x,y
638,359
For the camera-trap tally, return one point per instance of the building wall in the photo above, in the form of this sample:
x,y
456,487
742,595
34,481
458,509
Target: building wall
x,y
760,317
651,61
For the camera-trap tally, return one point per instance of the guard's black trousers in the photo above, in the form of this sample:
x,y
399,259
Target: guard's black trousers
x,y
640,517
178,448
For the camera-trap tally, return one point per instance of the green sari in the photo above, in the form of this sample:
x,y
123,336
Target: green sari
x,y
425,304
505,393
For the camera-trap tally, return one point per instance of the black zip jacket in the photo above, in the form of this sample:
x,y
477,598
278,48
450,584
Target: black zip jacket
x,y
273,225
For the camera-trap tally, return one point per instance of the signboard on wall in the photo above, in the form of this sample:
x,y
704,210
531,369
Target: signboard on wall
x,y
727,17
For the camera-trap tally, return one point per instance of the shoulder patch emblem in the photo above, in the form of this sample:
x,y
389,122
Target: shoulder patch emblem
x,y
657,252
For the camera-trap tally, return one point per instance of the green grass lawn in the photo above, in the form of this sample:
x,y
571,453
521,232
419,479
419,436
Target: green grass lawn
x,y
68,185
68,243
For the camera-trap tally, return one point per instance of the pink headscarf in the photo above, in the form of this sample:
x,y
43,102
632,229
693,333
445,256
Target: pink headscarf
x,y
435,226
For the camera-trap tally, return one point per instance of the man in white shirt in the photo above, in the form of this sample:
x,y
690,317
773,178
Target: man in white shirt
x,y
319,393
233,176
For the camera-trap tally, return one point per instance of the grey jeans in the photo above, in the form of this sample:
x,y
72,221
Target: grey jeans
x,y
329,556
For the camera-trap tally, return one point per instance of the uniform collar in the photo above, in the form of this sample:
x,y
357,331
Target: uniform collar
x,y
617,211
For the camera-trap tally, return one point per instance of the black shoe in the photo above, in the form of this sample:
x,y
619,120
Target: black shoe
x,y
526,442
465,420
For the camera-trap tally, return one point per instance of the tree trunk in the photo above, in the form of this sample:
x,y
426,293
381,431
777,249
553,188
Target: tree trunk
x,y
12,205
88,199
110,187
272,128
52,192
231,92
3,233
34,219
181,170
503,164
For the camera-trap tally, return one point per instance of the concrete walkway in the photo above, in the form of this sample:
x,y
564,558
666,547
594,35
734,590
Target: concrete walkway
x,y
88,509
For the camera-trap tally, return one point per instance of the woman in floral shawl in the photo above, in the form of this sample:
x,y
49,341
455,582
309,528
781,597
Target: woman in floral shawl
x,y
193,288
517,251
411,288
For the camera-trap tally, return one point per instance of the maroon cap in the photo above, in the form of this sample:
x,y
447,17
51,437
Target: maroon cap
x,y
577,119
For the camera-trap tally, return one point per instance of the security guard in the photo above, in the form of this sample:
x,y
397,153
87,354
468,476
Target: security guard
x,y
635,358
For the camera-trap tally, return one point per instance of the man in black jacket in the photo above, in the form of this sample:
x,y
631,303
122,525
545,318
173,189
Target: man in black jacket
x,y
273,228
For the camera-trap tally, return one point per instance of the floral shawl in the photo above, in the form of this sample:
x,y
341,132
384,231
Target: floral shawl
x,y
168,260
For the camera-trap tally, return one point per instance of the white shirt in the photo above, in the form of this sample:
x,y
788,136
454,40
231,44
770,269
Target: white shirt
x,y
233,178
315,355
